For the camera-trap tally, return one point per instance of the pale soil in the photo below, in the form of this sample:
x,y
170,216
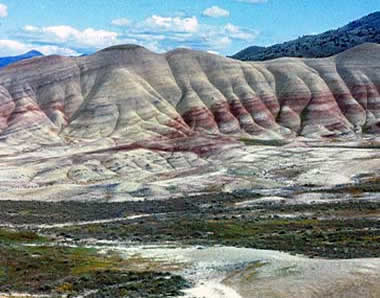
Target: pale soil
x,y
143,174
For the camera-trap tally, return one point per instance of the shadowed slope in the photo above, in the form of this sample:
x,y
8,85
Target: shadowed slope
x,y
332,42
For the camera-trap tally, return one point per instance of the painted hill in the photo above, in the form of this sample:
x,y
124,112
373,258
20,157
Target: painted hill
x,y
126,123
366,29
4,61
131,94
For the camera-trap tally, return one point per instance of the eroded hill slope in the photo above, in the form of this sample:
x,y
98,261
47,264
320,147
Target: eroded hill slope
x,y
131,93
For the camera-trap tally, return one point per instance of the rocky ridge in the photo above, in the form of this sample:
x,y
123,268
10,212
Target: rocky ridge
x,y
332,42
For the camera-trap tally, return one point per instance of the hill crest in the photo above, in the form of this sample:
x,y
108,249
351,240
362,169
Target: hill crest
x,y
329,43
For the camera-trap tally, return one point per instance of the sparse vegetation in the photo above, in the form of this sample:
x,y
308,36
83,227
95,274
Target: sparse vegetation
x,y
330,230
261,142
9,236
329,43
32,263
51,269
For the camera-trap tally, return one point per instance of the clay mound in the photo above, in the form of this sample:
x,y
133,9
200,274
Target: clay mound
x,y
128,93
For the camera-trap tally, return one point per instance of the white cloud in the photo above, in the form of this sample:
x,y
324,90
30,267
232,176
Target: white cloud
x,y
30,28
55,50
219,42
121,22
237,33
13,48
63,33
66,34
231,28
166,33
169,32
90,40
152,33
216,12
3,11
174,24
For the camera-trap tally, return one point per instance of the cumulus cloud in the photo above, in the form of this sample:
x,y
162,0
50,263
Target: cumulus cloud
x,y
157,33
219,42
54,50
236,32
216,12
174,24
3,11
164,33
13,47
85,41
69,35
30,28
121,22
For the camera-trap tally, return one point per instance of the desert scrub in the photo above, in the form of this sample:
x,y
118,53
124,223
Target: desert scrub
x,y
335,236
263,142
10,236
47,269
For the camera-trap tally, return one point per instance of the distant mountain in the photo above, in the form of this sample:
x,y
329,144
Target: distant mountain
x,y
366,29
250,52
9,60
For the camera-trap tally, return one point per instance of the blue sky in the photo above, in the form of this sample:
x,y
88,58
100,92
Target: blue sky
x,y
72,27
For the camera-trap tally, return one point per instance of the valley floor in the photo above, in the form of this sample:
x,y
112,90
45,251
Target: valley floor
x,y
259,220
221,245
